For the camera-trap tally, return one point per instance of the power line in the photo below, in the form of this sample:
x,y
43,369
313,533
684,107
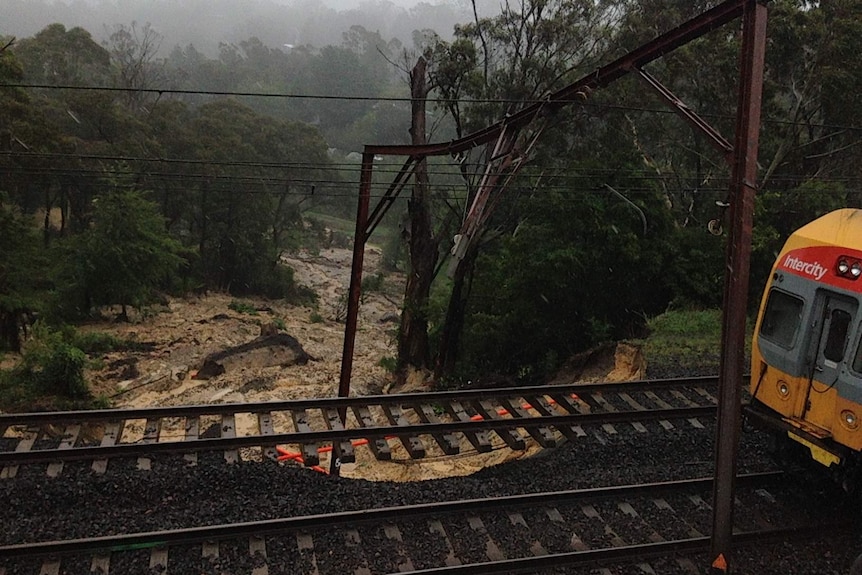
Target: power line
x,y
186,92
554,179
382,167
339,189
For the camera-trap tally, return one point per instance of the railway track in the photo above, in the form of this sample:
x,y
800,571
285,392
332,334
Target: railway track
x,y
651,528
418,424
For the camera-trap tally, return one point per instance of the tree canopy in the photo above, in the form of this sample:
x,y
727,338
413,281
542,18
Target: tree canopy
x,y
603,227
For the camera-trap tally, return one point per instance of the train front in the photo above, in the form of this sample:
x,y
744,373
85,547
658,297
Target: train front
x,y
806,370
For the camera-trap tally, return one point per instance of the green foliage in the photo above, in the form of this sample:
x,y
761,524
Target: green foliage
x,y
315,317
94,342
242,230
66,57
388,363
684,338
62,372
373,283
394,251
552,289
567,263
50,367
23,275
685,324
687,338
50,374
242,307
125,255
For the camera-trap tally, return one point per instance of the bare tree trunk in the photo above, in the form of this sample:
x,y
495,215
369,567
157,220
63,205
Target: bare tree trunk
x,y
413,335
450,337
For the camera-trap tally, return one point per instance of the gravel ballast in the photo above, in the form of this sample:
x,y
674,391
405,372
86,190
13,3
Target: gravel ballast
x,y
80,503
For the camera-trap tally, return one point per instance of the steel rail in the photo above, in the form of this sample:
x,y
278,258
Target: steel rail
x,y
614,555
212,533
338,435
96,415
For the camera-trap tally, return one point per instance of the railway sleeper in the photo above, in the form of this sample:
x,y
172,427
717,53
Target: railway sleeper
x,y
512,437
413,445
480,440
379,447
309,451
448,442
333,422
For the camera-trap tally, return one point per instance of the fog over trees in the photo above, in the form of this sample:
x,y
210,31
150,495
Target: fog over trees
x,y
207,23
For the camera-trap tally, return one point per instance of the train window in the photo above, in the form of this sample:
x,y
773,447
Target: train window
x,y
781,319
836,339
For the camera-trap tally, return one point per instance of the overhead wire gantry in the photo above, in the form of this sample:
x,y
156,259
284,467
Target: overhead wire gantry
x,y
511,145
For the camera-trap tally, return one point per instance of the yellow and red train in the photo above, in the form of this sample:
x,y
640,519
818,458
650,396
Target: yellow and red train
x,y
806,365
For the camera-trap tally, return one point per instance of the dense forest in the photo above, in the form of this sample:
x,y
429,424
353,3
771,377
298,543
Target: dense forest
x,y
127,173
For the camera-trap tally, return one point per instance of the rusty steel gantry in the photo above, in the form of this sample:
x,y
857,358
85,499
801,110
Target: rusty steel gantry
x,y
508,156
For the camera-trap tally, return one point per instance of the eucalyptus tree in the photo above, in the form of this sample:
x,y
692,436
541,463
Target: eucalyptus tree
x,y
124,256
253,174
495,66
811,144
24,282
133,51
71,68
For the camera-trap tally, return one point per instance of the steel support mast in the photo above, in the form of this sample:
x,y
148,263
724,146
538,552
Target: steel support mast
x,y
738,259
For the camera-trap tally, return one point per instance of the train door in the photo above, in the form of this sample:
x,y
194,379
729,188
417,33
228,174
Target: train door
x,y
833,337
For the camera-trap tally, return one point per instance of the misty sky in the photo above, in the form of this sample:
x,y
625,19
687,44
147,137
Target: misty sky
x,y
206,24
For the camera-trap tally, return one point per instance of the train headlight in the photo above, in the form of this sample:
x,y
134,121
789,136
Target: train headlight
x,y
848,267
849,419
783,389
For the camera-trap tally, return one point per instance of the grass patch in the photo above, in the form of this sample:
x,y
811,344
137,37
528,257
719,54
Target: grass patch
x,y
687,339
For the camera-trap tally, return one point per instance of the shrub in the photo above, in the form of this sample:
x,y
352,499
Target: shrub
x,y
62,372
242,307
50,374
373,283
388,363
97,342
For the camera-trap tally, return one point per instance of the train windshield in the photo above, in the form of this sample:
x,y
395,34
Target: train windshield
x,y
781,319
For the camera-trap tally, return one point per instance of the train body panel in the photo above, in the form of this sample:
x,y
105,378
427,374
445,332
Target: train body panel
x,y
807,350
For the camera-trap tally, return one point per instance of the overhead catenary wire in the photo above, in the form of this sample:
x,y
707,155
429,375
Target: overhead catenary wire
x,y
336,190
353,168
404,99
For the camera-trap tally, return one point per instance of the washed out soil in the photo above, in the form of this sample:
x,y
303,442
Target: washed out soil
x,y
299,357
